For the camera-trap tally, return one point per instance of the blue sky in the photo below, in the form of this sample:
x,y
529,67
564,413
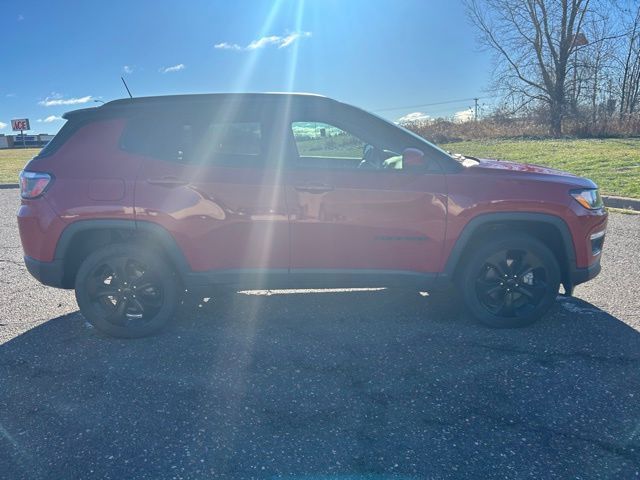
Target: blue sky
x,y
62,55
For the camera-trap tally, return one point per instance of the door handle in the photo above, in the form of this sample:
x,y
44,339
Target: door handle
x,y
168,182
314,188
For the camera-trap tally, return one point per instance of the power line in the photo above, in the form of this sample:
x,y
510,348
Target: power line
x,y
427,104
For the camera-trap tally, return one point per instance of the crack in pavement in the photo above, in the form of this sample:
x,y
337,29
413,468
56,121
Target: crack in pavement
x,y
622,360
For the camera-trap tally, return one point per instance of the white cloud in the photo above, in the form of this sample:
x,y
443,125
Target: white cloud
x,y
128,69
280,41
227,46
3,125
55,99
413,117
463,116
49,119
174,68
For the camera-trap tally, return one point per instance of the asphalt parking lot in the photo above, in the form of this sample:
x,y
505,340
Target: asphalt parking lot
x,y
344,385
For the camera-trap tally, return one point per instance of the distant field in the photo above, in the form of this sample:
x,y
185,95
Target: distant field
x,y
337,146
12,161
614,164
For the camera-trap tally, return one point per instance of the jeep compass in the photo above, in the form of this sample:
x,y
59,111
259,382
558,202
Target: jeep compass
x,y
139,199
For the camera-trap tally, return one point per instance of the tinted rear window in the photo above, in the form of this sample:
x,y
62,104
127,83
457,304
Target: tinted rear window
x,y
201,138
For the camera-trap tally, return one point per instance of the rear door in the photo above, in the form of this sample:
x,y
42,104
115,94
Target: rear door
x,y
207,180
352,206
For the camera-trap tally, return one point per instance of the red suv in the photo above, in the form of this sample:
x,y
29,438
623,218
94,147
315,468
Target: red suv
x,y
139,199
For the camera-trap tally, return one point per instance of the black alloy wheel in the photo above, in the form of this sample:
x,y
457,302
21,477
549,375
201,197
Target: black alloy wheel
x,y
127,291
510,281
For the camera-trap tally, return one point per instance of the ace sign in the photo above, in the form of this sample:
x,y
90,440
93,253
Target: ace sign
x,y
20,124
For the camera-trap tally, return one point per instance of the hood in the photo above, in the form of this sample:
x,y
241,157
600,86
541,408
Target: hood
x,y
529,170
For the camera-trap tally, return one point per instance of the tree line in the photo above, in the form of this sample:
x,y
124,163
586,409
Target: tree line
x,y
572,64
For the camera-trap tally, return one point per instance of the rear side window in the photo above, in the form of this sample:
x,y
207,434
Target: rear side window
x,y
233,142
236,138
160,138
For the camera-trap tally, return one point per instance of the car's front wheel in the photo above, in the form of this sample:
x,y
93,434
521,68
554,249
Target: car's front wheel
x,y
511,281
126,291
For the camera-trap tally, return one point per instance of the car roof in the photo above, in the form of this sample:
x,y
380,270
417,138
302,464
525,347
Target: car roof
x,y
176,100
279,96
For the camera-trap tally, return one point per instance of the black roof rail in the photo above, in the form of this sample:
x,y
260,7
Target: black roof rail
x,y
210,96
197,97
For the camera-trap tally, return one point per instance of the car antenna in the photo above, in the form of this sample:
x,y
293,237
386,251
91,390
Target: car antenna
x,y
125,86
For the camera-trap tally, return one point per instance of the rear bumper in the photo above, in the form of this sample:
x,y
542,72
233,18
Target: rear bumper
x,y
40,228
47,273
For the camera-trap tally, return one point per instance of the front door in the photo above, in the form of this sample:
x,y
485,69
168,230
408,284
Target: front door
x,y
352,206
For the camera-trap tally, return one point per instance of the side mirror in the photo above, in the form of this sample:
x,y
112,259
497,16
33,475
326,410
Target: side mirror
x,y
412,158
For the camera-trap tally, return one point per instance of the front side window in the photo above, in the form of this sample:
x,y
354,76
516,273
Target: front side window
x,y
322,145
321,140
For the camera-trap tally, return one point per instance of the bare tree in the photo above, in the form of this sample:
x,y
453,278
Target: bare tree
x,y
630,62
533,41
590,66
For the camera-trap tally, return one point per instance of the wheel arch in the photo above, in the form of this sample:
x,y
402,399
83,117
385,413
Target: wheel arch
x,y
81,238
549,229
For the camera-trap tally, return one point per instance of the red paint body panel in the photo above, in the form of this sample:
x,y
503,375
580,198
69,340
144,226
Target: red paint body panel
x,y
89,164
39,227
222,218
495,186
368,220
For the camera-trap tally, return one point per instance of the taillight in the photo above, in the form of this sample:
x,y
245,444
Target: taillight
x,y
33,184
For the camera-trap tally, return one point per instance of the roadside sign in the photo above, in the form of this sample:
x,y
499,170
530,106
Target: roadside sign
x,y
20,124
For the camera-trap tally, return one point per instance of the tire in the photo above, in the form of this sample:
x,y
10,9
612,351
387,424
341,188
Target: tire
x,y
510,282
127,291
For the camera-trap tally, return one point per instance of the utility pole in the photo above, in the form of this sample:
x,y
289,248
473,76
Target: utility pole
x,y
476,109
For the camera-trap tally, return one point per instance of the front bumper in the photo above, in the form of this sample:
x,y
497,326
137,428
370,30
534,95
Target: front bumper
x,y
581,275
47,273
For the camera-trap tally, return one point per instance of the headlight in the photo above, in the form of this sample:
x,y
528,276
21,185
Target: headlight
x,y
589,198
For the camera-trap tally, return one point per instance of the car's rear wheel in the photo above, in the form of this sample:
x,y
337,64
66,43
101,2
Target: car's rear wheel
x,y
510,282
127,291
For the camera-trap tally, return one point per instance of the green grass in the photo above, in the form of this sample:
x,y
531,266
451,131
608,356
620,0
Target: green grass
x,y
338,146
12,161
614,164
